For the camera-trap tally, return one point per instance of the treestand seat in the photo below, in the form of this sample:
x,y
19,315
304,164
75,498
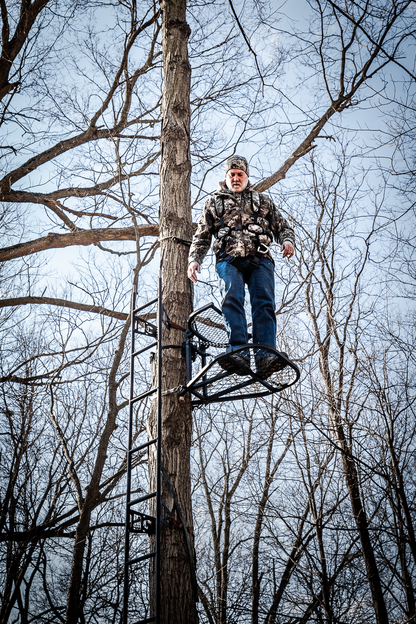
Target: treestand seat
x,y
214,376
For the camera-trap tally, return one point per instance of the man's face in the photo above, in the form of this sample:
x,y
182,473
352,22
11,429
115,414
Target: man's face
x,y
236,180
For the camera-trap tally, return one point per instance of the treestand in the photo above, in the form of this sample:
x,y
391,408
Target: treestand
x,y
208,382
212,377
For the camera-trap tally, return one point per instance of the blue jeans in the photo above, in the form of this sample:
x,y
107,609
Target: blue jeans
x,y
261,288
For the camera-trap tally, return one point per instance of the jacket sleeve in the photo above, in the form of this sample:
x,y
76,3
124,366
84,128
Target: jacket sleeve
x,y
201,240
282,231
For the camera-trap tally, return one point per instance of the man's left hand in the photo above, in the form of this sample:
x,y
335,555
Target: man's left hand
x,y
287,250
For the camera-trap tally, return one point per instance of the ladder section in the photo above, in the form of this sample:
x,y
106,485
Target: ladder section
x,y
144,511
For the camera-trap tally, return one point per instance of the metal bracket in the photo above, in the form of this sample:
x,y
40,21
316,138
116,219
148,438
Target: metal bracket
x,y
146,523
194,351
148,329
143,523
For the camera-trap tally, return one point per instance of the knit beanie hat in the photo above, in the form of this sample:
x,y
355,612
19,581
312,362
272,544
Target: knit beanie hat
x,y
236,162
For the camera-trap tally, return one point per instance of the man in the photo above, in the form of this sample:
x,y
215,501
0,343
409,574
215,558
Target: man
x,y
243,223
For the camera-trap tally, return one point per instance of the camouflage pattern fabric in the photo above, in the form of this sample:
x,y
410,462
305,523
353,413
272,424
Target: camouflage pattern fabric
x,y
236,162
238,213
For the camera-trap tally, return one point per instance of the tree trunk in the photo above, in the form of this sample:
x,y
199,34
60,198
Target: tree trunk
x,y
360,517
86,506
348,462
178,600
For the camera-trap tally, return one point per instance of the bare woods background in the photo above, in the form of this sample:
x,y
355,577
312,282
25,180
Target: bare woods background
x,y
304,505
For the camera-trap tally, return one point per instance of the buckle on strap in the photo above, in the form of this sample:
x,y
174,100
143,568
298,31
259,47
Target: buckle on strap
x,y
263,249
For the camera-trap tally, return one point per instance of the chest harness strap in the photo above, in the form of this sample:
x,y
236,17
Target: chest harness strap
x,y
224,231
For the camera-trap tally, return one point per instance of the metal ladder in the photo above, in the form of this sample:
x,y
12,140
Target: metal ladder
x,y
136,521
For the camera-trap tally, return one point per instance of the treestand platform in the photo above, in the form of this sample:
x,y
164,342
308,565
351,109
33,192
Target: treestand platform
x,y
207,379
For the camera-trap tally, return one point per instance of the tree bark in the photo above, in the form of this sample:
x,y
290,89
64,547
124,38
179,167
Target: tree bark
x,y
178,599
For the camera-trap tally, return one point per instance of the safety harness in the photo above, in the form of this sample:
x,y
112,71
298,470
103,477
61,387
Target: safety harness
x,y
224,231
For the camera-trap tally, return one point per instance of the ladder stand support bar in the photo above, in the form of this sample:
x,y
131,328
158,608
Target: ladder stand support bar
x,y
158,449
128,484
157,519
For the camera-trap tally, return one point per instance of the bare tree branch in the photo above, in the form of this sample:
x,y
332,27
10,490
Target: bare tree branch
x,y
246,40
63,303
280,174
6,194
370,38
10,49
80,237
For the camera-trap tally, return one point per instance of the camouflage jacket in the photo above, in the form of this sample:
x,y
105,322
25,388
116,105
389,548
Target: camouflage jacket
x,y
239,233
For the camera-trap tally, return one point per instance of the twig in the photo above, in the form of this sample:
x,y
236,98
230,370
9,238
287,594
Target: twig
x,y
246,40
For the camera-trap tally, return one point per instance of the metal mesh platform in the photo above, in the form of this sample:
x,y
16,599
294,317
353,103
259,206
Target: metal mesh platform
x,y
216,376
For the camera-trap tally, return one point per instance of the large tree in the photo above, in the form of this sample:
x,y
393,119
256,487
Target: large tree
x,y
177,567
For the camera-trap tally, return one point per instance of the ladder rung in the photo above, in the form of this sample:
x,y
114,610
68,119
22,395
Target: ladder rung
x,y
142,446
143,395
152,344
149,303
141,499
151,619
142,558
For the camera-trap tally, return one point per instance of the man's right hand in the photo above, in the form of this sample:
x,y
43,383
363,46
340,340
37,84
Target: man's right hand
x,y
192,270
